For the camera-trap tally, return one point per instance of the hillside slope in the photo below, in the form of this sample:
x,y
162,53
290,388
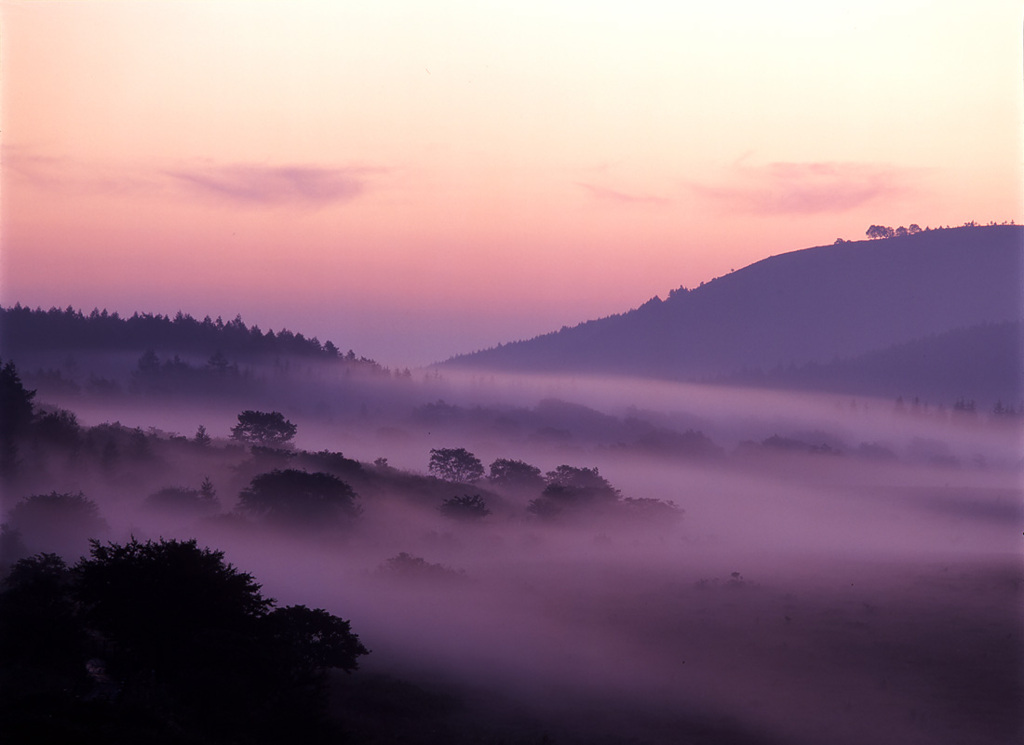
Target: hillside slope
x,y
811,305
982,363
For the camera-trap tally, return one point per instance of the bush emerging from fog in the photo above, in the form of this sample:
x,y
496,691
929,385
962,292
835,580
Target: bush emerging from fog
x,y
579,485
465,507
648,510
183,500
263,429
58,428
296,497
455,464
688,444
573,489
160,642
407,566
515,474
584,484
59,522
332,462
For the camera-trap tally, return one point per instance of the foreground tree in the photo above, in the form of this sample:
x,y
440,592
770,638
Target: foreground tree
x,y
263,429
455,464
160,642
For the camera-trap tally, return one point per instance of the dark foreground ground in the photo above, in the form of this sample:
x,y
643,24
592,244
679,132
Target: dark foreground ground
x,y
929,654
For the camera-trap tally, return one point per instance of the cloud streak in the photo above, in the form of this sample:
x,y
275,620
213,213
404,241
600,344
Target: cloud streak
x,y
804,188
242,184
69,176
273,185
605,194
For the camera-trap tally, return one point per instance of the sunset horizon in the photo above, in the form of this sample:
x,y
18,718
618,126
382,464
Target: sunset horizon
x,y
417,183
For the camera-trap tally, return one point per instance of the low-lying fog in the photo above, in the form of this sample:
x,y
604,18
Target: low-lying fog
x,y
842,570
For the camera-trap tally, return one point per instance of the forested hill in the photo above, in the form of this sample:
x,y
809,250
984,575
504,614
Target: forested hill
x,y
812,305
24,331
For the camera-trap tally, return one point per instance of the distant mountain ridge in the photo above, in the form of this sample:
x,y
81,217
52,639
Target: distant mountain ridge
x,y
983,362
807,306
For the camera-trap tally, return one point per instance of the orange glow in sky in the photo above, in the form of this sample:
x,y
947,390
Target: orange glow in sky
x,y
414,180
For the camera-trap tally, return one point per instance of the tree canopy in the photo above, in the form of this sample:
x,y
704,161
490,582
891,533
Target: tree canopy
x,y
466,507
455,464
515,474
884,231
296,497
61,522
160,641
571,488
263,428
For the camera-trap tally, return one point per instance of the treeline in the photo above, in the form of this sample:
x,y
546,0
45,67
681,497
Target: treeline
x,y
24,329
876,232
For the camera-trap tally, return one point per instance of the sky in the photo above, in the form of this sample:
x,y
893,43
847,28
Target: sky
x,y
414,180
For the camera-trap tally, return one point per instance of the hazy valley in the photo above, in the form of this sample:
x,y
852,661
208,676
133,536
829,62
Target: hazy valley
x,y
783,507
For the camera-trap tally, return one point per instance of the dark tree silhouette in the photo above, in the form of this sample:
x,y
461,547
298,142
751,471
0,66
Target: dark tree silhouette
x,y
263,429
201,438
296,497
58,428
58,522
15,415
149,363
409,567
312,641
515,474
571,488
160,642
880,231
42,651
465,507
455,464
584,484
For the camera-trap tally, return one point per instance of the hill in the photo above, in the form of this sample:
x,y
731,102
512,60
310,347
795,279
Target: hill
x,y
807,306
983,362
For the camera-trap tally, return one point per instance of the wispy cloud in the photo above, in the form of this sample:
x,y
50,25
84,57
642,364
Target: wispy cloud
x,y
240,184
269,185
605,194
805,188
64,175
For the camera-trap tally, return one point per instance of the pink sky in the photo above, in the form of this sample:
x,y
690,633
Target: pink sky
x,y
417,179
